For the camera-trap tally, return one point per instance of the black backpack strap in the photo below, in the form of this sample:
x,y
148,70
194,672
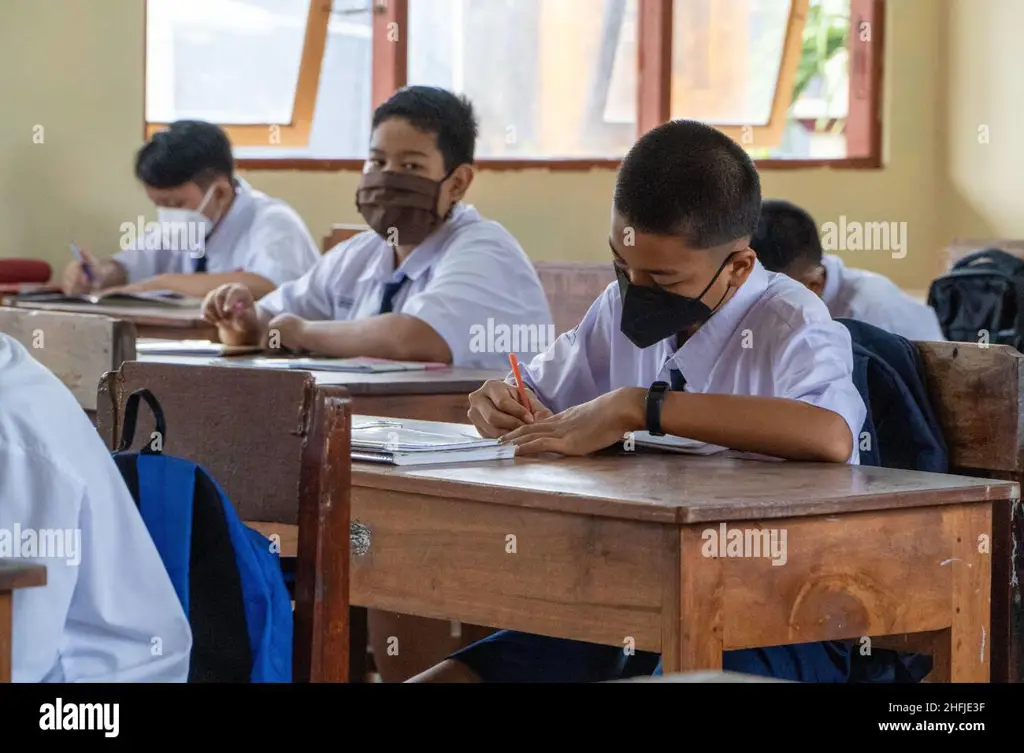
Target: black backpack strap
x,y
1004,262
131,413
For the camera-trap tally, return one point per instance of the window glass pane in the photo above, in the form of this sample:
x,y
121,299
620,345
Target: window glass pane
x,y
548,78
341,120
226,61
726,56
817,118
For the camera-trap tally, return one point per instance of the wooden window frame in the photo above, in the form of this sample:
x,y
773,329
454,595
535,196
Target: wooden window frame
x,y
294,133
390,64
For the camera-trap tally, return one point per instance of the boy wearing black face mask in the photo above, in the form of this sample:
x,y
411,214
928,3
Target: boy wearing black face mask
x,y
697,340
429,272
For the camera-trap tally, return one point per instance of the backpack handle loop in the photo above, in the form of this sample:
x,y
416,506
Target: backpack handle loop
x,y
131,413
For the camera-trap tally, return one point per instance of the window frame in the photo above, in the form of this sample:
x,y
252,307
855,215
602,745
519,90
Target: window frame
x,y
654,91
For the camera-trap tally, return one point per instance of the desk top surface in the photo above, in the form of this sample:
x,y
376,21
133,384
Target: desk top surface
x,y
19,574
432,382
162,316
682,489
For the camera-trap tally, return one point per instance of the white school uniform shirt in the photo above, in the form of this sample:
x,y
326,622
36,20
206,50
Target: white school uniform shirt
x,y
773,338
469,280
869,297
259,234
108,611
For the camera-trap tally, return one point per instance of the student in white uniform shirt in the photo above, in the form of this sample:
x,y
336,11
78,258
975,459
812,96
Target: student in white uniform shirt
x,y
787,241
213,227
108,611
697,340
430,281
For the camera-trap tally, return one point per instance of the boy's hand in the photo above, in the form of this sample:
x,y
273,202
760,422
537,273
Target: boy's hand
x,y
583,429
74,280
287,332
232,308
494,409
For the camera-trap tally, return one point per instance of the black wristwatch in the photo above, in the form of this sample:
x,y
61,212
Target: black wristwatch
x,y
655,399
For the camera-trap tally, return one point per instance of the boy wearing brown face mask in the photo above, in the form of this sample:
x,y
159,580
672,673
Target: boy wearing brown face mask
x,y
429,276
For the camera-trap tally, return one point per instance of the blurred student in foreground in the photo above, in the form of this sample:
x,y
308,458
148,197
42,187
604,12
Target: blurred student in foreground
x,y
108,611
212,227
787,241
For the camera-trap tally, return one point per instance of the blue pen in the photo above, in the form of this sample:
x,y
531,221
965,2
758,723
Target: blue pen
x,y
81,260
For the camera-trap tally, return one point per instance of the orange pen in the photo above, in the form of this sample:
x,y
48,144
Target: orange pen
x,y
519,382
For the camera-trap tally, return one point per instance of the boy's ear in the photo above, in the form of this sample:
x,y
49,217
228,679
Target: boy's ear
x,y
462,179
742,264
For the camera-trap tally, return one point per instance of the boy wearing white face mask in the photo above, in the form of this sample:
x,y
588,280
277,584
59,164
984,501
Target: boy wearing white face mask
x,y
212,227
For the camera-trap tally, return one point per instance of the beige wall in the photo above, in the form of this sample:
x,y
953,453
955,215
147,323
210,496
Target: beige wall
x,y
76,68
985,181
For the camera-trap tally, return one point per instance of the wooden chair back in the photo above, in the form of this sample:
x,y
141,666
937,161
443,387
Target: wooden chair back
x,y
977,393
961,247
78,348
278,445
340,234
571,288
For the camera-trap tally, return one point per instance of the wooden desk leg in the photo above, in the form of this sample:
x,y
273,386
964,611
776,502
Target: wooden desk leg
x,y
970,639
695,641
6,637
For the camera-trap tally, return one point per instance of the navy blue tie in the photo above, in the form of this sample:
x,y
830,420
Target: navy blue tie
x,y
387,302
678,380
200,265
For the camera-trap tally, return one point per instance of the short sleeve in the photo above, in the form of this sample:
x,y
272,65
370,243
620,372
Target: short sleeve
x,y
483,285
281,248
815,366
309,296
574,370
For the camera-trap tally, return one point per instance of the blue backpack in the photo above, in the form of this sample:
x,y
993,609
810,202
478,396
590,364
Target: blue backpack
x,y
227,576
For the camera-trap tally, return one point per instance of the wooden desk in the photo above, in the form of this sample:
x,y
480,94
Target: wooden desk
x,y
609,549
13,575
440,395
150,321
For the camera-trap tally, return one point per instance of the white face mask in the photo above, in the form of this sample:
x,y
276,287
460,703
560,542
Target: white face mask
x,y
180,220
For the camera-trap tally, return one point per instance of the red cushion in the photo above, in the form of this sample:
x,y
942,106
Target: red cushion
x,y
24,270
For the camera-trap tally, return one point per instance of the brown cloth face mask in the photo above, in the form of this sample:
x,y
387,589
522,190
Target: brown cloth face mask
x,y
401,209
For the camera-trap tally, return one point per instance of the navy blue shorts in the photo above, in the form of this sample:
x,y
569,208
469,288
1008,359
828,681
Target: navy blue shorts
x,y
508,656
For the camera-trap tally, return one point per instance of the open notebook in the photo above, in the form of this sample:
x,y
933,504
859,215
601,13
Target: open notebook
x,y
145,298
352,365
407,442
670,443
153,347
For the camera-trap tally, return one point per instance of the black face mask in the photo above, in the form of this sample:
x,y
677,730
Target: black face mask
x,y
650,315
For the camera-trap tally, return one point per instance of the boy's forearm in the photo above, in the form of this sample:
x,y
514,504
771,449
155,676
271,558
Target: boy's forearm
x,y
396,337
778,427
198,285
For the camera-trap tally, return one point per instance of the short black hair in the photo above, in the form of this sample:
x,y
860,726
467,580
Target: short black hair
x,y
187,151
688,179
786,236
448,116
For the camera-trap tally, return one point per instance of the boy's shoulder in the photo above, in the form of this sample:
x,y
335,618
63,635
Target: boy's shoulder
x,y
271,212
787,305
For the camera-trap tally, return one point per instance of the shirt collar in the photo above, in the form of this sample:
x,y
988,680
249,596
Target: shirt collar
x,y
834,269
239,215
422,258
699,354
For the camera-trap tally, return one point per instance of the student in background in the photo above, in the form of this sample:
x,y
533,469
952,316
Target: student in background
x,y
787,241
214,228
430,270
108,611
695,339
